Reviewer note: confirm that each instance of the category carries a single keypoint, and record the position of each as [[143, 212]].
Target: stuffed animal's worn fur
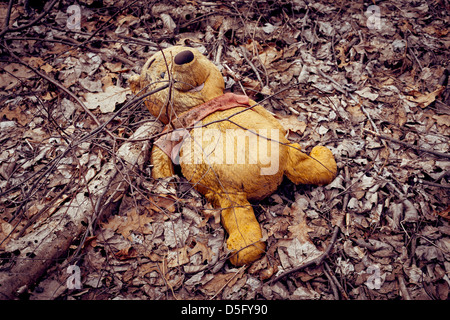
[[229, 147]]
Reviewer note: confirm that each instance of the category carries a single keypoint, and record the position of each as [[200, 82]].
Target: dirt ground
[[82, 219]]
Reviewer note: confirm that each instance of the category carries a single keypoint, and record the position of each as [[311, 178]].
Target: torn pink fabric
[[171, 142]]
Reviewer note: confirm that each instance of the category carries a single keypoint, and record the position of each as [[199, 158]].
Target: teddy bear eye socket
[[162, 75]]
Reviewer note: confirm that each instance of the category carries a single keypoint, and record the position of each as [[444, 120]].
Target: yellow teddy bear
[[229, 147]]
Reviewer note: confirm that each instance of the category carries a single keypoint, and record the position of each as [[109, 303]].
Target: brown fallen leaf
[[300, 231], [341, 56], [221, 280], [291, 123], [127, 253], [114, 67], [177, 257], [147, 268], [18, 113], [209, 212], [14, 73], [300, 228], [445, 213], [161, 202], [106, 100], [269, 55], [424, 100], [6, 231], [132, 222], [205, 251]]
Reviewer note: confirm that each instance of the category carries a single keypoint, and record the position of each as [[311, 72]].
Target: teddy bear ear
[[183, 57]]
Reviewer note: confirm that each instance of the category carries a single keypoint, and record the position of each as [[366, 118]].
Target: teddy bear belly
[[234, 160], [227, 180]]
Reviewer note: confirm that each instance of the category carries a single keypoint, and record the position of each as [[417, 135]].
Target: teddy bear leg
[[244, 231], [319, 168], [162, 164]]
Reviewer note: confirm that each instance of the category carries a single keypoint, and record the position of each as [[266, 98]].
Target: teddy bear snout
[[184, 57]]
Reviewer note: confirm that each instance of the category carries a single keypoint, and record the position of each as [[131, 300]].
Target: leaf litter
[[377, 95]]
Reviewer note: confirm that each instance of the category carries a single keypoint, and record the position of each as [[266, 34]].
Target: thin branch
[[235, 274], [313, 262], [384, 137], [8, 15], [103, 26], [27, 25], [244, 54], [54, 82]]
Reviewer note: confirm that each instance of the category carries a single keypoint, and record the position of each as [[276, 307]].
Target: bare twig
[[336, 281], [226, 25], [103, 26], [56, 83], [244, 54], [402, 287], [313, 262], [331, 279], [27, 25], [8, 16], [384, 137], [235, 274]]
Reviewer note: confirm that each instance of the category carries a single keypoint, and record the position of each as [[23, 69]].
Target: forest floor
[[368, 80]]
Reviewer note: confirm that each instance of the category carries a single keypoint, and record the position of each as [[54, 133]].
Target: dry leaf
[[91, 86], [168, 22], [205, 251], [221, 280], [210, 212], [445, 213], [13, 74], [106, 100], [175, 233], [18, 113], [48, 96], [356, 113], [6, 230], [132, 222], [35, 62], [163, 202], [147, 268], [300, 231], [366, 92], [114, 67], [424, 100], [177, 257], [127, 253], [301, 252], [291, 123], [300, 228], [269, 55]]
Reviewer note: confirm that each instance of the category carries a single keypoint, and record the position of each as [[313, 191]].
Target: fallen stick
[[317, 261], [27, 25], [32, 254], [384, 137]]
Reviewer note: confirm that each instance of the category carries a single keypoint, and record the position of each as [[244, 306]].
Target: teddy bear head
[[192, 78]]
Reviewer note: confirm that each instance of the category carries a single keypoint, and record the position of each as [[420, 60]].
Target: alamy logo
[[74, 280], [232, 146], [376, 279], [373, 14], [74, 21]]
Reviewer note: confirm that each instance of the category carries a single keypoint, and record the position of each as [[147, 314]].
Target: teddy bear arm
[[319, 168], [162, 164]]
